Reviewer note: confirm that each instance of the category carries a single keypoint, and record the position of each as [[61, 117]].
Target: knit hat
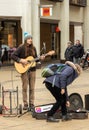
[[27, 36], [76, 67]]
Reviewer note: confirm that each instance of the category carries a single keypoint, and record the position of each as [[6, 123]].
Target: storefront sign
[[46, 10]]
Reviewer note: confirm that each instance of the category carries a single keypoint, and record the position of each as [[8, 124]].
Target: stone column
[[26, 21], [86, 26], [64, 26], [36, 24]]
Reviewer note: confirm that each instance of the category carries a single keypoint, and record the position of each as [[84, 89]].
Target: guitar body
[[22, 69], [31, 63]]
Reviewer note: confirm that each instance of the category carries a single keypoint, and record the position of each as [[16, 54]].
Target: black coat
[[69, 54], [78, 51]]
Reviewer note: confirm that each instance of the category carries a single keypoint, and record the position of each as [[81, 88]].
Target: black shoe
[[25, 107], [52, 119], [32, 107], [66, 118]]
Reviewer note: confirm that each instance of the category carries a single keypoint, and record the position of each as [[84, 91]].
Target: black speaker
[[76, 102], [2, 24], [87, 102], [56, 0]]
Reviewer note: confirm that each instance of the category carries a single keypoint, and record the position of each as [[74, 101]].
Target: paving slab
[[10, 79]]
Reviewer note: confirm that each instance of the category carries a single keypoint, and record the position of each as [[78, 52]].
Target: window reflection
[[7, 40]]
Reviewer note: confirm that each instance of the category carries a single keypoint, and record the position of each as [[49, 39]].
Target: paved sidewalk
[[9, 78]]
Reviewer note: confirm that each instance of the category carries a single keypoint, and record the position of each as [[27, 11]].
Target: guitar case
[[75, 111]]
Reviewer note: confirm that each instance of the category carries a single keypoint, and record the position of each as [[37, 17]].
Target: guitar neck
[[34, 60], [38, 58]]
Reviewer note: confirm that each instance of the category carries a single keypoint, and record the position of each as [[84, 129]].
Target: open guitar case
[[75, 110]]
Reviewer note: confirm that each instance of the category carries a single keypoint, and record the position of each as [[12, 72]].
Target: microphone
[[44, 47]]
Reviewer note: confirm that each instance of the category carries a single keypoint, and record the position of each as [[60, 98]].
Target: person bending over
[[57, 85]]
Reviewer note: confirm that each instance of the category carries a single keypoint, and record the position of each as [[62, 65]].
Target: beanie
[[27, 36]]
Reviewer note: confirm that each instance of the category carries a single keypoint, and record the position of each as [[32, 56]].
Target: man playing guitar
[[25, 57], [28, 76]]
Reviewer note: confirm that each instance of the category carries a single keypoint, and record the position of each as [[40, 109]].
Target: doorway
[[51, 38]]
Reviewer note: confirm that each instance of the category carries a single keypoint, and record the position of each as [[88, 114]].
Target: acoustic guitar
[[31, 63]]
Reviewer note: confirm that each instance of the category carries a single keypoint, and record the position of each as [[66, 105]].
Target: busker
[[28, 77], [57, 85]]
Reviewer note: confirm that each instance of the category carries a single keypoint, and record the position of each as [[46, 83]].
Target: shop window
[[8, 33], [81, 3], [8, 39]]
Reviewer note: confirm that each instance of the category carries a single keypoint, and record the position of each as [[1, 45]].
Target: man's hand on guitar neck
[[42, 57], [50, 53]]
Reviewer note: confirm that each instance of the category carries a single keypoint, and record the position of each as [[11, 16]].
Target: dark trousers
[[60, 100]]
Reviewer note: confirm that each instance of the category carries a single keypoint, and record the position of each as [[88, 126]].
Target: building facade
[[69, 21]]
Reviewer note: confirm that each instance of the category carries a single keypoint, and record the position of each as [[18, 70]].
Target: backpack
[[52, 69]]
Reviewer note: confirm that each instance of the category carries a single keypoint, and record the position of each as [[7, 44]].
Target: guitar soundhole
[[29, 61]]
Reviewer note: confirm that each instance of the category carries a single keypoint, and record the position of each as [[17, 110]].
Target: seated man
[[57, 85]]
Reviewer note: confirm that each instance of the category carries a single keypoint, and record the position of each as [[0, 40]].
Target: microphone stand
[[42, 50]]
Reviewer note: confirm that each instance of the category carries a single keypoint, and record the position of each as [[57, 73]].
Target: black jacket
[[78, 51], [69, 54], [20, 53]]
